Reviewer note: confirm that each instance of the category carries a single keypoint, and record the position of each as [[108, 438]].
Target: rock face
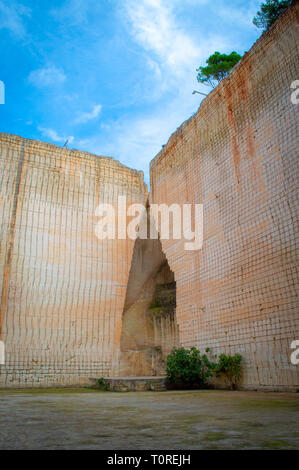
[[62, 289], [238, 156], [149, 327], [74, 307]]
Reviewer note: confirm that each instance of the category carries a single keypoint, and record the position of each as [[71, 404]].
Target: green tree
[[219, 66], [269, 12]]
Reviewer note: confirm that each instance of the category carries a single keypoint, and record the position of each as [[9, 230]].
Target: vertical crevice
[[149, 327]]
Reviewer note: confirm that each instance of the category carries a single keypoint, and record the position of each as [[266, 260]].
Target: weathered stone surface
[[238, 156], [62, 290]]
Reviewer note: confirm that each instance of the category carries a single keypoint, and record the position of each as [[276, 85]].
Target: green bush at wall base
[[189, 369]]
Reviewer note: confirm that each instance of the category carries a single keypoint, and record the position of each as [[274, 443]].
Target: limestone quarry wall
[[238, 156], [62, 290]]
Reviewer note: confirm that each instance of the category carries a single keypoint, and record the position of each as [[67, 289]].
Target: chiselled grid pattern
[[65, 291], [238, 156]]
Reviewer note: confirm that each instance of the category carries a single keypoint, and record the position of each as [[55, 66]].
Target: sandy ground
[[89, 419]]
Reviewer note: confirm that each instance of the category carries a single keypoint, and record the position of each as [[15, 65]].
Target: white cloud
[[93, 114], [171, 53], [47, 76], [12, 17], [54, 136], [154, 27], [172, 56], [154, 66]]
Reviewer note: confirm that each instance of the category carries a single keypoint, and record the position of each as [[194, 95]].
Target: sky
[[113, 77]]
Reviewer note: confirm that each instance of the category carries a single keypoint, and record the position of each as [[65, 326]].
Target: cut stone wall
[[238, 156], [62, 290]]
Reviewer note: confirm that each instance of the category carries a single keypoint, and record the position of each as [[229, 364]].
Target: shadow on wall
[[149, 327]]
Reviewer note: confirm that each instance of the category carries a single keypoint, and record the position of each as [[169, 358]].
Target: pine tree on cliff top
[[269, 12], [218, 67]]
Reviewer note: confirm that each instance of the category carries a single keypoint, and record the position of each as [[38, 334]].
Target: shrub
[[188, 368], [230, 367]]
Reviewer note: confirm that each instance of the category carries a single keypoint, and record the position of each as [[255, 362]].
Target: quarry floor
[[91, 419]]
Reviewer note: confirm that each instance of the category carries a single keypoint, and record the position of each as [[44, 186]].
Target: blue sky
[[115, 77]]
